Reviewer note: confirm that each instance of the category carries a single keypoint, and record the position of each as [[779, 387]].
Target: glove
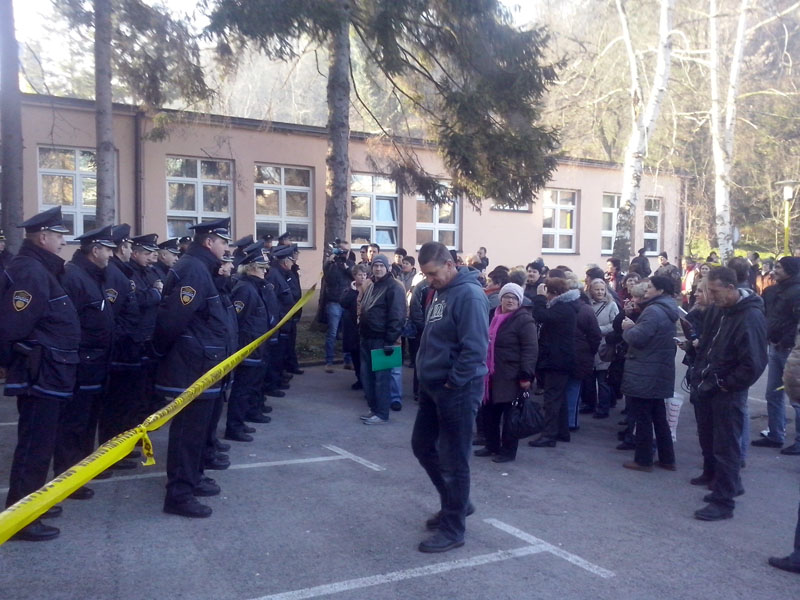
[[388, 350]]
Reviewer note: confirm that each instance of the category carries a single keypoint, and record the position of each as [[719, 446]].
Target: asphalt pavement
[[320, 505]]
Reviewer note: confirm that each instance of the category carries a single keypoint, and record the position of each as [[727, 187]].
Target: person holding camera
[[336, 281]]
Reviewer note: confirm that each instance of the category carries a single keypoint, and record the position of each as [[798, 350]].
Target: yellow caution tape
[[29, 508]]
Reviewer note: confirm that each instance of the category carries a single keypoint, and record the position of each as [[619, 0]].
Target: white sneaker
[[375, 420], [329, 368], [369, 415]]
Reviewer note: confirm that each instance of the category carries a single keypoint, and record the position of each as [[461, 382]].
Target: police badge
[[187, 294], [111, 295], [239, 306], [21, 300]]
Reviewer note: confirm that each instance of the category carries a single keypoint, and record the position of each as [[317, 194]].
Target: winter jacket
[[252, 316], [39, 319], [604, 312], [279, 278], [782, 304], [515, 352], [642, 264], [161, 270], [587, 339], [147, 299], [737, 351], [84, 282], [350, 338], [650, 360], [192, 326], [336, 281], [383, 311], [791, 373], [558, 319], [120, 292], [455, 338]]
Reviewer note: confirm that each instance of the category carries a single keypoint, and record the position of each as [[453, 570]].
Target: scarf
[[494, 327]]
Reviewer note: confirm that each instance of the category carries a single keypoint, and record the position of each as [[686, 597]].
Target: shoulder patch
[[21, 300], [111, 295], [187, 294], [239, 306]]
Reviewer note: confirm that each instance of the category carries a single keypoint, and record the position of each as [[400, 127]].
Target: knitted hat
[[513, 289], [381, 258], [791, 265]]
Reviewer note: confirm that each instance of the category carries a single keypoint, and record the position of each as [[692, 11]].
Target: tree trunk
[[338, 158], [642, 124], [11, 126], [104, 124], [722, 133]]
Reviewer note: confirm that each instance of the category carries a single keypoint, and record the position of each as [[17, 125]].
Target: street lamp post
[[788, 193]]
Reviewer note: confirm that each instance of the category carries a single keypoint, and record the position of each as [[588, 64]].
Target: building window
[[609, 222], [197, 190], [373, 211], [284, 202], [524, 207], [558, 221], [437, 223], [68, 178], [652, 225]]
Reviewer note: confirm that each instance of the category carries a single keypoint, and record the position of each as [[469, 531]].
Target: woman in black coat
[[351, 341], [511, 359]]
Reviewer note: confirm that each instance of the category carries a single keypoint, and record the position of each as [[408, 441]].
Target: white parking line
[[575, 560], [340, 455], [536, 546], [12, 423]]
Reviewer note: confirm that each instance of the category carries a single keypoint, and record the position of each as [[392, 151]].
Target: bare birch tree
[[644, 116]]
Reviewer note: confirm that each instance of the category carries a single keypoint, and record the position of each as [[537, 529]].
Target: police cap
[[282, 252], [243, 242], [218, 227], [102, 236], [49, 220], [148, 241], [170, 245], [254, 256], [121, 233]]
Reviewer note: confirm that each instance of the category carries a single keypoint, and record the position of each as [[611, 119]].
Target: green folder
[[381, 362]]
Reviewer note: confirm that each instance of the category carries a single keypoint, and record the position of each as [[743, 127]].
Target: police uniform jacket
[[225, 287], [38, 317], [192, 324], [84, 283], [279, 278], [161, 270], [147, 299], [126, 352], [252, 315]]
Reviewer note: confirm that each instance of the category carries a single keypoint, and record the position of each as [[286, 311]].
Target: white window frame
[[373, 223], [553, 201], [281, 219], [437, 227], [525, 207], [657, 234], [79, 177], [614, 212], [198, 214]]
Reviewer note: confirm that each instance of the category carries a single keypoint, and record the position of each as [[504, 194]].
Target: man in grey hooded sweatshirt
[[451, 365]]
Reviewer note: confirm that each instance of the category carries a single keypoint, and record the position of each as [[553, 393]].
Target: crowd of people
[[584, 342], [93, 345]]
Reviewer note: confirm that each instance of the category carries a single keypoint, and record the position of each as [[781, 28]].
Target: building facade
[[270, 178]]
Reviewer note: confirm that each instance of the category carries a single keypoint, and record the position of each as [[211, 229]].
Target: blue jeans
[[334, 311], [776, 410], [573, 393], [377, 384], [796, 407], [396, 386], [442, 443]]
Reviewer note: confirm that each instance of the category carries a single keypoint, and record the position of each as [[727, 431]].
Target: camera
[[335, 250]]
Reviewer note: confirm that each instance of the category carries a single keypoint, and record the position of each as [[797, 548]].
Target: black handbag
[[525, 417]]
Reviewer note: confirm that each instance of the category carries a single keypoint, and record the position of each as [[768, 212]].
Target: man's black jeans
[[728, 410], [442, 442]]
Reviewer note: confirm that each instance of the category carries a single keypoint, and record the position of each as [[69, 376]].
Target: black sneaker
[[396, 406], [713, 512], [433, 522], [439, 543], [766, 443]]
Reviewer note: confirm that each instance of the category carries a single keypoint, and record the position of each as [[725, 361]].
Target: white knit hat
[[513, 289]]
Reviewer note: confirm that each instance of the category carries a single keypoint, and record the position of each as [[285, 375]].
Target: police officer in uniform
[[192, 336], [168, 254], [126, 353], [84, 282], [40, 323], [279, 275]]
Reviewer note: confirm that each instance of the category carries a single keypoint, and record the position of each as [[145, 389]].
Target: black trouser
[[188, 436], [413, 348], [77, 425], [123, 404], [705, 432], [727, 413], [649, 414], [554, 402], [356, 356], [36, 438], [274, 363], [495, 422], [210, 450], [290, 358], [245, 398]]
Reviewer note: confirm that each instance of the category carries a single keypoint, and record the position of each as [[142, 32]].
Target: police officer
[[126, 353], [279, 276], [168, 254], [192, 336], [147, 289], [84, 282], [241, 245], [40, 323], [245, 400]]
